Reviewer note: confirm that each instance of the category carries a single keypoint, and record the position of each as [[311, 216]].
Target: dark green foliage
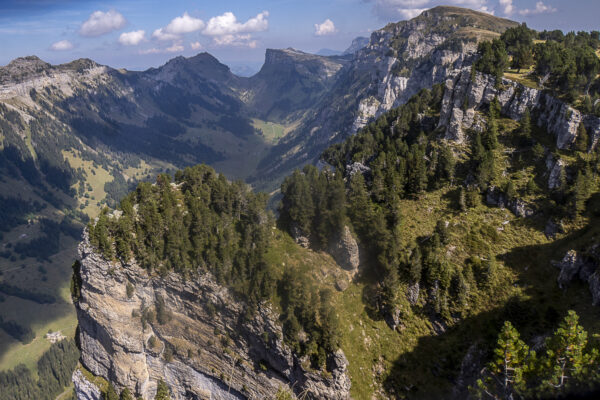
[[314, 204], [310, 310], [162, 391], [126, 395], [24, 334], [567, 365], [110, 393], [13, 211], [40, 298], [493, 59], [76, 281], [55, 368]]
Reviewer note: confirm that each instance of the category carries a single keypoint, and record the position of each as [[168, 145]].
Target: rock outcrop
[[204, 346], [84, 389], [585, 267], [466, 94], [496, 197], [344, 250]]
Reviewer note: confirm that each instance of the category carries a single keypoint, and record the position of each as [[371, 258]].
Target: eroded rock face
[[84, 389], [466, 93], [575, 264], [206, 349], [344, 250], [496, 197]]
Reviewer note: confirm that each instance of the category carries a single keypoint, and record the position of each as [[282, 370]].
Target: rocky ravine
[[206, 350]]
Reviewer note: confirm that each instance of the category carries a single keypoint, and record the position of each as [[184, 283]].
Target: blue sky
[[138, 34]]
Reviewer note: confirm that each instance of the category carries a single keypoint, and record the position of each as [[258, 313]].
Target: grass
[[523, 77], [59, 316], [271, 131], [96, 177]]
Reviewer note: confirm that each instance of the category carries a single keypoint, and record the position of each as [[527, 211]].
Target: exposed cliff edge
[[207, 349], [466, 93]]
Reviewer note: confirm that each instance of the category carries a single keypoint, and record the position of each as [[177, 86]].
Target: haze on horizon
[[138, 34]]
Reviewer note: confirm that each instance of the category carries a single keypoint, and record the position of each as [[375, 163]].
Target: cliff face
[[204, 348], [398, 61], [464, 95]]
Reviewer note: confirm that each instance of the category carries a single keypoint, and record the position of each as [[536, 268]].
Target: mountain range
[[388, 267]]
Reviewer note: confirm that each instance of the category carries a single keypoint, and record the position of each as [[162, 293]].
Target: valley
[[457, 188]]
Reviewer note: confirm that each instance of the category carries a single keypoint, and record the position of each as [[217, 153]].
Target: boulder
[[344, 249]]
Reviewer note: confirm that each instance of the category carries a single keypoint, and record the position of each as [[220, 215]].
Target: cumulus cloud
[[407, 9], [508, 6], [174, 48], [132, 38], [540, 8], [196, 45], [325, 28], [179, 26], [61, 46], [236, 40], [227, 24], [226, 30], [100, 23]]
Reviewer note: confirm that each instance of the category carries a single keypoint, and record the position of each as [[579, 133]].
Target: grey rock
[[412, 293], [559, 119], [556, 171], [496, 197], [344, 249], [553, 228], [84, 389], [569, 267], [357, 167], [114, 343]]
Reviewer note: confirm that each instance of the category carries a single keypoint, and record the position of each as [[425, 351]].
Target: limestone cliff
[[466, 94], [205, 346]]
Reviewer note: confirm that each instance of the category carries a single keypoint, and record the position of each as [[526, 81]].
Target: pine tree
[[111, 393], [504, 378], [525, 125], [126, 395], [566, 362], [162, 391], [582, 140]]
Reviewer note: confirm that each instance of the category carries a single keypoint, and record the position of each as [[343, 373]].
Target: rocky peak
[[356, 45], [23, 68]]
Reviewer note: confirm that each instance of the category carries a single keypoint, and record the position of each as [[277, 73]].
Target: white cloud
[[508, 6], [175, 48], [132, 38], [100, 23], [179, 26], [61, 46], [540, 8], [325, 28], [227, 24], [226, 30], [196, 45]]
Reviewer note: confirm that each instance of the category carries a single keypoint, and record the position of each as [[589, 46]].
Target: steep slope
[[290, 83], [195, 292], [400, 60], [455, 238]]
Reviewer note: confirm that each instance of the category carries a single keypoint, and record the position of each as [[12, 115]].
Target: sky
[[139, 34]]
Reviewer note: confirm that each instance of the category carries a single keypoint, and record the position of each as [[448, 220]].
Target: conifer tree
[[505, 374], [111, 393], [126, 395], [525, 125], [566, 362], [582, 141], [162, 391]]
